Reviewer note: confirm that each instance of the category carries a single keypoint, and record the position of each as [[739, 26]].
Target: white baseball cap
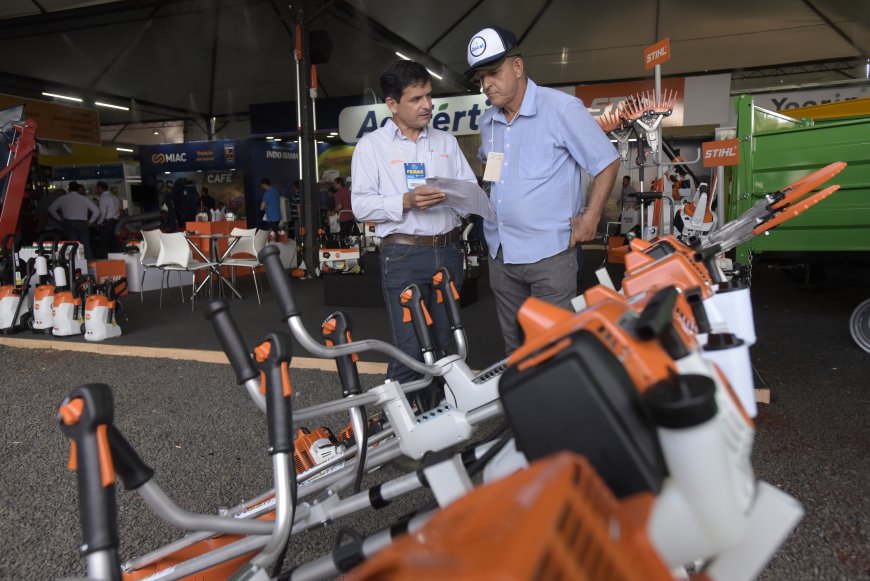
[[487, 48]]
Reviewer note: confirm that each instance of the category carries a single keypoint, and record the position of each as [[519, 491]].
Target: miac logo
[[160, 158]]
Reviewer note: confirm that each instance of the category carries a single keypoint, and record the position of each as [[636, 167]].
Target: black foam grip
[[450, 302], [658, 314], [97, 508], [657, 322], [347, 370], [131, 469], [218, 312], [418, 317], [270, 257], [707, 255], [279, 411], [696, 302]]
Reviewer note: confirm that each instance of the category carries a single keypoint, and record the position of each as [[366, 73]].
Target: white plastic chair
[[245, 253], [175, 256], [148, 252]]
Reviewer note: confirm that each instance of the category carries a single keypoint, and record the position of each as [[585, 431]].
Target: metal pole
[[660, 172], [313, 92], [308, 155], [297, 57]]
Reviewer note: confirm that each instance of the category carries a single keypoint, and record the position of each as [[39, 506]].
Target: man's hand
[[583, 229], [423, 198]]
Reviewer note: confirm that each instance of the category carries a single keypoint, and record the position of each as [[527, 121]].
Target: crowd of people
[[76, 215]]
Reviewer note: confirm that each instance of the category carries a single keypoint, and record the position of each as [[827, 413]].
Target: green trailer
[[776, 150]]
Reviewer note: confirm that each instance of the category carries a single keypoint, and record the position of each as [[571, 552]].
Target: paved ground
[[207, 442]]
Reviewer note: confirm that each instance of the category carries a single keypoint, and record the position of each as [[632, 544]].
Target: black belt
[[438, 240]]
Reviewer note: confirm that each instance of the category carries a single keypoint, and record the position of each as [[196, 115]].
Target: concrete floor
[[207, 442]]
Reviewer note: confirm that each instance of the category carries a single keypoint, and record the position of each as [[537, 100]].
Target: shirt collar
[[397, 133], [529, 105]]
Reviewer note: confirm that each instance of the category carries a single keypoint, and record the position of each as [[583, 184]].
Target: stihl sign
[[657, 53], [722, 152]]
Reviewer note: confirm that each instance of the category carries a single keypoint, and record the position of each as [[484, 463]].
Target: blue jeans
[[402, 265]]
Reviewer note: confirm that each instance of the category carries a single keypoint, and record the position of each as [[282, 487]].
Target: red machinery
[[21, 151]]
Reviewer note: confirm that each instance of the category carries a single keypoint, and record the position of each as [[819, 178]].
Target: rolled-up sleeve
[[369, 205], [584, 138]]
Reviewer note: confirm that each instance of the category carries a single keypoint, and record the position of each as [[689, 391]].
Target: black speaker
[[319, 47]]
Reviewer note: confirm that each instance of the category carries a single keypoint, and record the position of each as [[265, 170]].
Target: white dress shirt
[[74, 206], [379, 180], [110, 206]]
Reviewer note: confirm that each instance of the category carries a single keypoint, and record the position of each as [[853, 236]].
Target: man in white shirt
[[110, 213], [389, 168], [77, 213]]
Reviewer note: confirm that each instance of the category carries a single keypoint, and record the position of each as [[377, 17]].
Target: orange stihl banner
[[722, 152], [657, 53]]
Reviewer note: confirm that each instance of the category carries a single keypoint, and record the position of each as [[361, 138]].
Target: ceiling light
[[333, 133], [437, 76], [110, 106], [56, 96], [270, 138], [277, 139], [398, 54], [156, 132], [167, 172], [124, 149]]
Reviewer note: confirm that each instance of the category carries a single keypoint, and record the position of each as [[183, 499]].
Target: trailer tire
[[859, 325]]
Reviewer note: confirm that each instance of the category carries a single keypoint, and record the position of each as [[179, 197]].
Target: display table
[[209, 228]]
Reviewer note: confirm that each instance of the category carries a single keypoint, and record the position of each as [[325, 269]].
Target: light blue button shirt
[[545, 146], [380, 181]]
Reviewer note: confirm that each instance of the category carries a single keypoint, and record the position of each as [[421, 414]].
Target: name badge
[[494, 161], [415, 175]]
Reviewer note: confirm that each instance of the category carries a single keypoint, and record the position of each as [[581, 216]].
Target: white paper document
[[464, 196]]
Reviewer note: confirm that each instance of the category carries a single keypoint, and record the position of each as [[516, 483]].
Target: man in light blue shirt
[[536, 143]]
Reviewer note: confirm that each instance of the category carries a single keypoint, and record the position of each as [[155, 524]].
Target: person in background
[[77, 213], [627, 187], [420, 235], [270, 206], [343, 207], [205, 200], [327, 202], [537, 142], [178, 204], [44, 220], [110, 213]]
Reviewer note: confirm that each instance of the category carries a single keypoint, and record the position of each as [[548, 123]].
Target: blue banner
[[196, 155]]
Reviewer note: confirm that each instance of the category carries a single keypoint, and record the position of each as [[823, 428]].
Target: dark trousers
[[402, 265], [107, 234], [80, 230]]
